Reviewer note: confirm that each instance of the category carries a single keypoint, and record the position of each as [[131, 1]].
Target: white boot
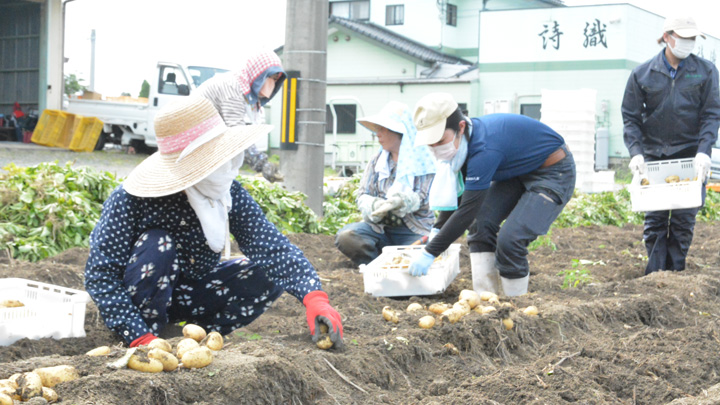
[[484, 273], [513, 287]]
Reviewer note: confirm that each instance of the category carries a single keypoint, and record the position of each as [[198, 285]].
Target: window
[[346, 116], [451, 15], [531, 110], [463, 108], [395, 14], [172, 81], [354, 9]]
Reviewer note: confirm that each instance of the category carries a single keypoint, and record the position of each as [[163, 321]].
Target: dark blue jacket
[[665, 116]]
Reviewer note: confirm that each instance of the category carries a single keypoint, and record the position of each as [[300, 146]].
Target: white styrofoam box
[[570, 119], [383, 279], [569, 100], [659, 195], [48, 311]]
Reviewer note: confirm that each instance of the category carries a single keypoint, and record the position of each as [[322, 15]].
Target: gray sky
[[133, 35]]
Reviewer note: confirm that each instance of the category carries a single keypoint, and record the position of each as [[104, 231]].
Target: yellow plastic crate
[[62, 138], [50, 123], [86, 134]]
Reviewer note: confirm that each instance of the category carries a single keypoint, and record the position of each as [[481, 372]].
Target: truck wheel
[[141, 147], [100, 145]]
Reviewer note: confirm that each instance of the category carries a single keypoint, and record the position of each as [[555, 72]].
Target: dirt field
[[624, 339]]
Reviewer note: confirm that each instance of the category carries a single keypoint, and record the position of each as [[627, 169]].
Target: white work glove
[[367, 204], [386, 206], [702, 166], [637, 165]]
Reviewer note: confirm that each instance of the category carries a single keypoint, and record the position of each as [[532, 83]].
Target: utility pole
[[92, 60], [305, 56]]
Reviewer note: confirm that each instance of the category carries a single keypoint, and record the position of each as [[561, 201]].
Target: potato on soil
[[426, 322], [169, 362], [52, 376], [198, 357], [8, 383], [10, 392], [494, 301], [508, 323], [14, 377], [161, 344], [186, 345], [99, 351], [30, 385], [452, 315], [140, 362], [439, 308], [324, 342], [531, 310], [5, 400], [462, 306], [485, 310], [214, 341], [487, 295], [49, 394], [414, 307], [471, 297], [194, 332], [390, 315]]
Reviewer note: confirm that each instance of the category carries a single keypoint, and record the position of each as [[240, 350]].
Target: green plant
[[578, 275], [72, 84], [144, 89], [543, 240], [251, 336]]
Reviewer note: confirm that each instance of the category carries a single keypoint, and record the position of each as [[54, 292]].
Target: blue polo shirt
[[504, 146]]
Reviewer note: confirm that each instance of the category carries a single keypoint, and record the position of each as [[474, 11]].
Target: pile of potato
[[36, 383], [468, 301], [194, 351]]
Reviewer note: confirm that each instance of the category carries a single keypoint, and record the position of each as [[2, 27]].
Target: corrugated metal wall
[[19, 54]]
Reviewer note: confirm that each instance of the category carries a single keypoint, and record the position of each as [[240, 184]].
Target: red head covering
[[17, 112]]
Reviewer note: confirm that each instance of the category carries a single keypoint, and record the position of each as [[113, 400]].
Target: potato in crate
[[669, 185], [31, 309], [388, 275]]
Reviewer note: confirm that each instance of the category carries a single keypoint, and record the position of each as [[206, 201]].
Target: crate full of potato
[[668, 185], [31, 309], [389, 276]]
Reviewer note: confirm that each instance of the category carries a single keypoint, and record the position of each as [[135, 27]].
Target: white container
[[384, 279], [48, 311], [659, 195]]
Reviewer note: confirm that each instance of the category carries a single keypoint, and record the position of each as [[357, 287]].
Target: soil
[[624, 338]]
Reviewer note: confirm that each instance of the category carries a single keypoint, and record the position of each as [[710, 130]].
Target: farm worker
[[240, 95], [506, 167], [671, 110], [393, 192], [155, 253]]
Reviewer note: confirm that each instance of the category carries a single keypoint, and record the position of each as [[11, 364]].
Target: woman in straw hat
[[239, 97], [155, 253], [393, 192]]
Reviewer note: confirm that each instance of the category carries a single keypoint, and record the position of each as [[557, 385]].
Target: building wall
[[51, 55], [352, 57], [20, 37]]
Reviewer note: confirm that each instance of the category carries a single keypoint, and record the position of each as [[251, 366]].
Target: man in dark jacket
[[671, 110]]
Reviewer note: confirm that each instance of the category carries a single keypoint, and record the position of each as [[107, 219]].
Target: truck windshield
[[202, 73]]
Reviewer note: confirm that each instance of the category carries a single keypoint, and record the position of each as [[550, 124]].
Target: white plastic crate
[[48, 311], [659, 195], [383, 279]]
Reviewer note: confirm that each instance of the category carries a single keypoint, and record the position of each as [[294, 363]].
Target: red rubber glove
[[318, 310], [143, 340]]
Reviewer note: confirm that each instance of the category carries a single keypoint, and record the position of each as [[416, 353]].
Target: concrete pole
[[305, 51], [92, 60]]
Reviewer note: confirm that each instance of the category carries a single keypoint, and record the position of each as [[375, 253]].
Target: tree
[[72, 84], [145, 89], [125, 93]]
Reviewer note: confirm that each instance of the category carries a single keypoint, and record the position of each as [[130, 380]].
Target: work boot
[[513, 287], [484, 273]]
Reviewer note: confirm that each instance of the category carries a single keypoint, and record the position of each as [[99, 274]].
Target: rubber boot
[[513, 287], [484, 274]]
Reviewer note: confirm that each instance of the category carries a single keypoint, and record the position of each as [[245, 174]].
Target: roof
[[397, 42]]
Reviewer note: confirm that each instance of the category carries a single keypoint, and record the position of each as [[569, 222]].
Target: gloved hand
[[143, 340], [433, 232], [702, 166], [421, 264], [386, 206], [271, 172], [318, 309], [637, 165]]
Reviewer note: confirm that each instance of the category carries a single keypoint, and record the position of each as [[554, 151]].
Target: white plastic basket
[[384, 279], [659, 195], [48, 311]]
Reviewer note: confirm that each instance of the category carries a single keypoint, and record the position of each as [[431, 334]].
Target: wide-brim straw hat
[[389, 117], [193, 142]]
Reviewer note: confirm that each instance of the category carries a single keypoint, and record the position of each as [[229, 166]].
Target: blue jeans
[[528, 204], [362, 245]]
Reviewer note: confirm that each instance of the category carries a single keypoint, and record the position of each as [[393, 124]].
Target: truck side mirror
[[183, 90]]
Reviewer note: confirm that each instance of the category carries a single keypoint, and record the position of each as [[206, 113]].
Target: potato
[[507, 305], [30, 385], [214, 340], [8, 383], [672, 179], [494, 300], [140, 362], [10, 392], [471, 297], [644, 181], [390, 315], [451, 349], [169, 362], [531, 310], [161, 344], [198, 357], [14, 377], [488, 309], [52, 376], [194, 332], [5, 400], [451, 315], [324, 342], [414, 307], [462, 306], [184, 346], [99, 351], [49, 394], [508, 323], [439, 308], [426, 322], [487, 295], [11, 304]]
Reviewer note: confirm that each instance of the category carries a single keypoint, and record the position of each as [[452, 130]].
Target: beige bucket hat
[[431, 114], [193, 142], [389, 117]]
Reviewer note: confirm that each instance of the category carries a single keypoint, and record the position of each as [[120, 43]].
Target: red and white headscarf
[[256, 70]]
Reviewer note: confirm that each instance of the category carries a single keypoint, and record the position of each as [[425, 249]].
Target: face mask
[[445, 151], [683, 47]]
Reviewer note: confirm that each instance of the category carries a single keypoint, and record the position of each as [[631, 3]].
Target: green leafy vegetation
[[73, 85], [578, 275]]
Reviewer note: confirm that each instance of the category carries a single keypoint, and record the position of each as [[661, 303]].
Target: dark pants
[[362, 244], [228, 297], [668, 234], [528, 204]]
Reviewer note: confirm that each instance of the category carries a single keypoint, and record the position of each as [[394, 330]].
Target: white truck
[[131, 124]]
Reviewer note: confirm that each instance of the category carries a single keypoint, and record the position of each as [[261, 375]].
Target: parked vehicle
[[131, 123]]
